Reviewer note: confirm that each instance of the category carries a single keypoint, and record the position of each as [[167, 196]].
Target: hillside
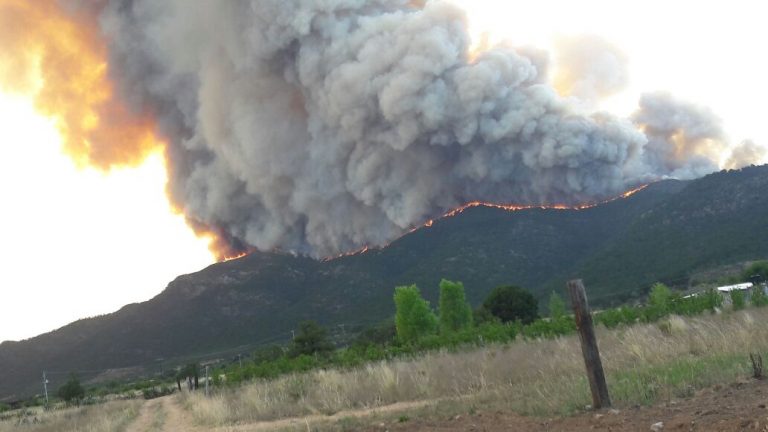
[[661, 233]]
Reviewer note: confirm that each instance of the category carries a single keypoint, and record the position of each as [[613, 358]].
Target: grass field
[[644, 364], [108, 417]]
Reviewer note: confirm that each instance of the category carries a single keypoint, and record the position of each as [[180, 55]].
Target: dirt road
[[737, 407], [162, 415]]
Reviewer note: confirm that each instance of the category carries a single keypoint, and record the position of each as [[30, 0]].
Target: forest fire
[[262, 156], [507, 207]]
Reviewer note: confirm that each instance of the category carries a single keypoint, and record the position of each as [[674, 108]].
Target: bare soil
[[738, 407]]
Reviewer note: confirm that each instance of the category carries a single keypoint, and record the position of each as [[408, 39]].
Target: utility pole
[[45, 388], [206, 381]]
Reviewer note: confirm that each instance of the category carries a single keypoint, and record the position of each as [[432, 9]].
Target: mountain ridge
[[262, 296]]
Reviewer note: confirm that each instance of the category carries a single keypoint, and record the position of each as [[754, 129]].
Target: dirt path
[[292, 423], [162, 415]]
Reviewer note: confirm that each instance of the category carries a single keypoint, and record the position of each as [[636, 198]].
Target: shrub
[[311, 338], [737, 299], [413, 316], [550, 328], [455, 312], [758, 299], [659, 302], [556, 306], [756, 272], [512, 303], [71, 391], [623, 315]]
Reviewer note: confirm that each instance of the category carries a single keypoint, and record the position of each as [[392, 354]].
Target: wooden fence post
[[600, 397]]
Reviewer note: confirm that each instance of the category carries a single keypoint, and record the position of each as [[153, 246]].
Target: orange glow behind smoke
[[61, 58]]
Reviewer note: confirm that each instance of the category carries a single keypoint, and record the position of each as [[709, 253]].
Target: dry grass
[[109, 417], [643, 363]]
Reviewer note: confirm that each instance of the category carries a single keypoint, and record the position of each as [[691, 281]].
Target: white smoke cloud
[[319, 126], [590, 68], [685, 141]]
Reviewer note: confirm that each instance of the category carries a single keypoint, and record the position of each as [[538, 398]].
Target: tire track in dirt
[[174, 418], [280, 424]]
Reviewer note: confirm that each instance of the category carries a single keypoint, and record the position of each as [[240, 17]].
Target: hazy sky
[[78, 242]]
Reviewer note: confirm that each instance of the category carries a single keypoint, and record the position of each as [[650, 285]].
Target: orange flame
[[61, 58], [507, 207]]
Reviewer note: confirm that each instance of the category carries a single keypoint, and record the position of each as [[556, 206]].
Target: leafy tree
[[512, 303], [311, 338], [71, 391], [413, 316], [556, 306], [455, 312], [737, 299]]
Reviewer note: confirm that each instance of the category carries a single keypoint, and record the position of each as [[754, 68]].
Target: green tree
[[311, 338], [659, 302], [556, 306], [512, 303], [413, 316], [455, 312], [71, 391]]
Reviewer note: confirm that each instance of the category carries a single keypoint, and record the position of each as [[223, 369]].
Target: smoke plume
[[320, 126], [590, 68]]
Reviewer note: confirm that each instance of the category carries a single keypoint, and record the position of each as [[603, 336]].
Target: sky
[[78, 242]]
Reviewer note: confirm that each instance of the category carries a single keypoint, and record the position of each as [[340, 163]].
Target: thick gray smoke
[[319, 126]]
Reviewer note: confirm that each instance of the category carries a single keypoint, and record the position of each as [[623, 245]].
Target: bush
[[550, 328], [758, 299], [737, 299], [512, 303], [756, 272], [623, 315], [71, 391], [556, 306], [455, 312], [659, 302], [413, 316], [310, 339]]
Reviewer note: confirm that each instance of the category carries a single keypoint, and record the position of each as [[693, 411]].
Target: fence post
[[600, 397], [207, 392]]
